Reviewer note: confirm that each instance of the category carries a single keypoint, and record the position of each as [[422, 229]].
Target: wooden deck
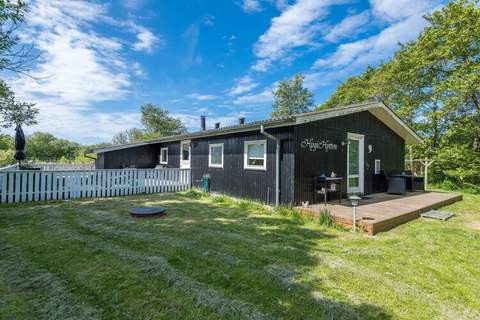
[[381, 211]]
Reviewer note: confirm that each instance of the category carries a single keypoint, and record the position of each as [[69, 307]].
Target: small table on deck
[[327, 182]]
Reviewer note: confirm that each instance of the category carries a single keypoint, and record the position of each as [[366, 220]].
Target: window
[[377, 166], [185, 150], [255, 155], [163, 155], [215, 155]]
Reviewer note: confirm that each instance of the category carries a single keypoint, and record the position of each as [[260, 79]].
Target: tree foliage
[[292, 97], [14, 113], [433, 83], [13, 56], [46, 147], [156, 122]]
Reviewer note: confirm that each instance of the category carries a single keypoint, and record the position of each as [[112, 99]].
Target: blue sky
[[100, 61]]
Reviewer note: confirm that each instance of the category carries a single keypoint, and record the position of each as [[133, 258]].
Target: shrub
[[324, 218]]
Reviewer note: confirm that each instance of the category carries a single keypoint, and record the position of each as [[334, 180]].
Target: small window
[[163, 155], [255, 155], [377, 166], [215, 155]]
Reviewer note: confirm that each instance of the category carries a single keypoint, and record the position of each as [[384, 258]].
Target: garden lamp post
[[354, 200]]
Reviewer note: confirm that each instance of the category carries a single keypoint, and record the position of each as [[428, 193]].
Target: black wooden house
[[356, 142]]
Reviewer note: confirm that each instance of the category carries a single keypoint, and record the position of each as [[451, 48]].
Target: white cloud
[[202, 97], [134, 4], [190, 37], [78, 125], [353, 57], [295, 27], [77, 68], [251, 6], [263, 97], [76, 65], [243, 85], [393, 10], [146, 40], [138, 70], [348, 27]]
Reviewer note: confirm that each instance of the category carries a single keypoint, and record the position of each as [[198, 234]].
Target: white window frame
[[361, 164], [185, 164], [166, 157], [378, 166], [210, 164], [245, 155]]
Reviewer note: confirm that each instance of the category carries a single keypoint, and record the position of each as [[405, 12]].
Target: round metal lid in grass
[[144, 212]]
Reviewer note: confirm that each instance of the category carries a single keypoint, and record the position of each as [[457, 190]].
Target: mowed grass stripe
[[279, 273], [122, 289], [278, 266]]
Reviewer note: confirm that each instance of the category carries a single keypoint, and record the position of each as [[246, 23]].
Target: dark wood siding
[[138, 157], [173, 154], [233, 178], [387, 146]]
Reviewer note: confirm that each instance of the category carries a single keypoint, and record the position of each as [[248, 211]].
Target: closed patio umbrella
[[19, 145]]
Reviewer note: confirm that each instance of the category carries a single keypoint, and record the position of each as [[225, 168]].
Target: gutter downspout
[[277, 163]]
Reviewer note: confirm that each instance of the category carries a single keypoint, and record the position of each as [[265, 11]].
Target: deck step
[[435, 214]]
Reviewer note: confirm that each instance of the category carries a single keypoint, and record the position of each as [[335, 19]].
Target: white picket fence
[[27, 185]]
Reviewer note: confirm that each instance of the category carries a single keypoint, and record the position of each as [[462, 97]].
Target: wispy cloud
[[348, 27], [263, 97], [394, 10], [296, 27], [251, 5], [353, 57], [190, 38], [243, 85], [146, 40], [202, 97], [77, 68]]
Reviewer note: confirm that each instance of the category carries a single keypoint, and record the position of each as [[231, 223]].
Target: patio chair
[[396, 185]]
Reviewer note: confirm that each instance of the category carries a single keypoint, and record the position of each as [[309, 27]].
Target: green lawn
[[214, 258]]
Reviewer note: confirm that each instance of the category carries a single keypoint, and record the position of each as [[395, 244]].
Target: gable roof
[[379, 109]]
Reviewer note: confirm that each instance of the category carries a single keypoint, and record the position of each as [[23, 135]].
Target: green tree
[[157, 121], [433, 83], [45, 147], [6, 150], [13, 57], [291, 97], [14, 113], [129, 136]]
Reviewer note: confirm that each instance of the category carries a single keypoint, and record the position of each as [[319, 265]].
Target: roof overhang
[[378, 109], [201, 134]]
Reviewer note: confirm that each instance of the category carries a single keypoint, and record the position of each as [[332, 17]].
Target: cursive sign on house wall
[[322, 145]]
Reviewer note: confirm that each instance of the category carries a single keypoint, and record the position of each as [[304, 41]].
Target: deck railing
[[27, 185]]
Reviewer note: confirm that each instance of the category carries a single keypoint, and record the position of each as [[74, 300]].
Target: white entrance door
[[355, 163]]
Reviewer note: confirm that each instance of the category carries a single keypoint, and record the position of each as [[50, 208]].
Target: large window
[[163, 155], [215, 155], [255, 155]]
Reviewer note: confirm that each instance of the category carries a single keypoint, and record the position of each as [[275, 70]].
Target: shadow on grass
[[274, 251]]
